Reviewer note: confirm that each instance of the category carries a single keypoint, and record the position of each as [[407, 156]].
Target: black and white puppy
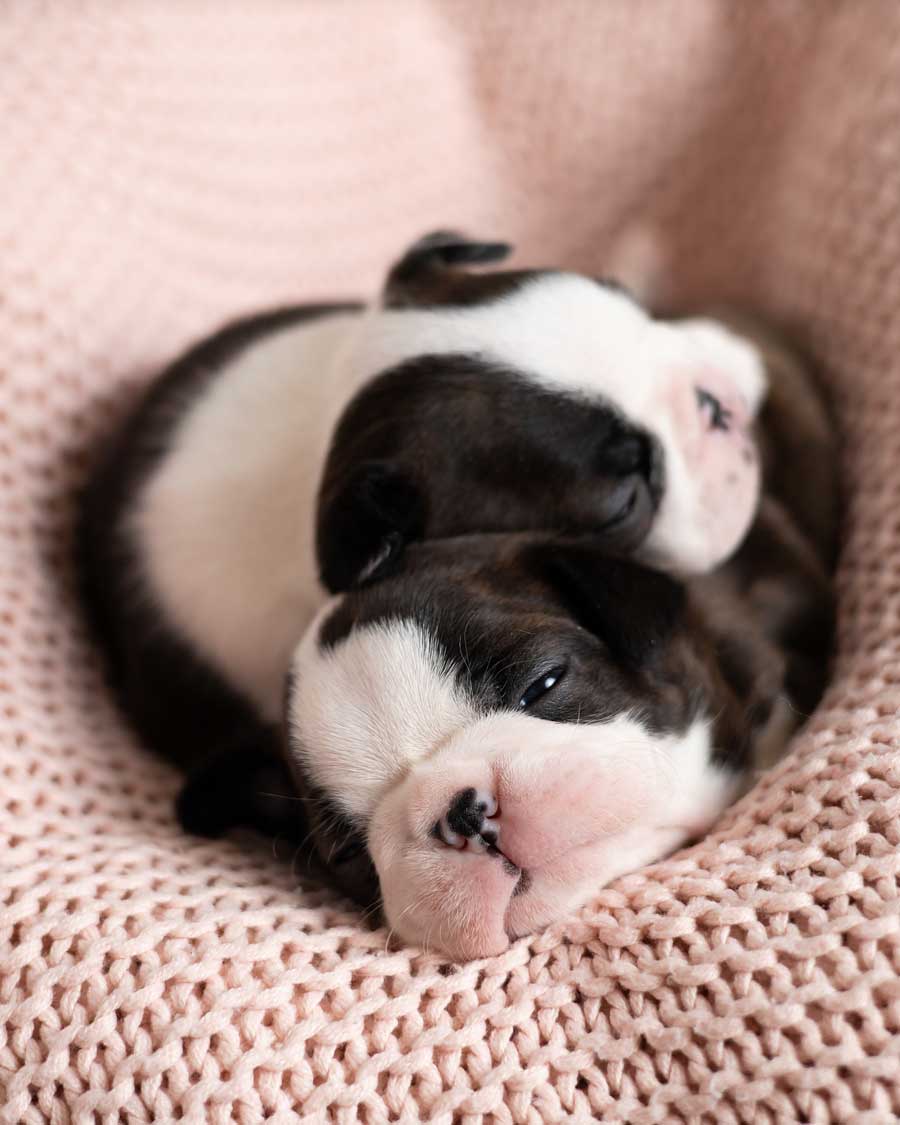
[[314, 443], [504, 723]]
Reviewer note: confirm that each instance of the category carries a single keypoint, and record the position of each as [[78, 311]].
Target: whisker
[[287, 797], [343, 843], [370, 911]]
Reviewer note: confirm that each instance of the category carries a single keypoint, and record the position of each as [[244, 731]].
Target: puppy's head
[[500, 727], [536, 399]]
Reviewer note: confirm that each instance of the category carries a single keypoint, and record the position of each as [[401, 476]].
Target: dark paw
[[204, 806], [241, 788]]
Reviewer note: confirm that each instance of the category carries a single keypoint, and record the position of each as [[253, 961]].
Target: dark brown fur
[[449, 445]]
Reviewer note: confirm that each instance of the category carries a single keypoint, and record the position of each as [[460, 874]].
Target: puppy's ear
[[632, 609], [365, 523], [441, 250]]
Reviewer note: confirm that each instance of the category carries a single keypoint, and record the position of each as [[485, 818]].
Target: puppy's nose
[[470, 820], [624, 453]]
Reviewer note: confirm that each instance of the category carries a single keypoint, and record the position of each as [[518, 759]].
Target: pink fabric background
[[167, 165]]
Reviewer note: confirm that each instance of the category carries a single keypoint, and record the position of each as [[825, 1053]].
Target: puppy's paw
[[239, 788]]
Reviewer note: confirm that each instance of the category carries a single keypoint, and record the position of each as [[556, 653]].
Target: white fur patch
[[362, 714], [562, 330], [226, 525]]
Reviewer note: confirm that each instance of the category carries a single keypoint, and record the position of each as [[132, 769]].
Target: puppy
[[301, 451], [536, 399], [505, 723]]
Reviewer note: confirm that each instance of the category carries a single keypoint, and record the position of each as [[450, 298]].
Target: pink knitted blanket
[[167, 165]]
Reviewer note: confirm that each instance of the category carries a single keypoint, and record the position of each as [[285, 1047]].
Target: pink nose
[[471, 821]]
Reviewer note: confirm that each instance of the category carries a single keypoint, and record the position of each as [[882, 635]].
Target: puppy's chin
[[576, 806]]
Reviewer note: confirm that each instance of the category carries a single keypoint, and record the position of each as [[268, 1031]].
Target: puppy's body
[[287, 442], [174, 693]]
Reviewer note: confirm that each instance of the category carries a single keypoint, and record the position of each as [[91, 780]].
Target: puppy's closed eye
[[545, 683], [719, 417]]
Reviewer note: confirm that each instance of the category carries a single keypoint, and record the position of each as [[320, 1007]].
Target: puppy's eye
[[540, 687], [719, 417]]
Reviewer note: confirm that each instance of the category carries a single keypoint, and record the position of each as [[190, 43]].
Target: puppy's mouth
[[521, 876]]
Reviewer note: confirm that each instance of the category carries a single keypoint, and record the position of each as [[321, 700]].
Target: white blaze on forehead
[[561, 330], [379, 722], [363, 713]]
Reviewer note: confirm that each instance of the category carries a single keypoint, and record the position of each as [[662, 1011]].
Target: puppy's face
[[502, 726], [536, 400]]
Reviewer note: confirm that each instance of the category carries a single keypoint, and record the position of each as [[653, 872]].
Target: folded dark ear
[[441, 250], [632, 609], [365, 523]]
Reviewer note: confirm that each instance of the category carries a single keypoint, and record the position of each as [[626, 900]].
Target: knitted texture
[[166, 166]]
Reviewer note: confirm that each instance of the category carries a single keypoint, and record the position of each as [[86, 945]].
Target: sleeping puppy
[[539, 399], [504, 723], [301, 451]]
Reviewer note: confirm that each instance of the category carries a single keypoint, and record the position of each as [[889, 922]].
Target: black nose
[[466, 813], [626, 453], [468, 821]]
